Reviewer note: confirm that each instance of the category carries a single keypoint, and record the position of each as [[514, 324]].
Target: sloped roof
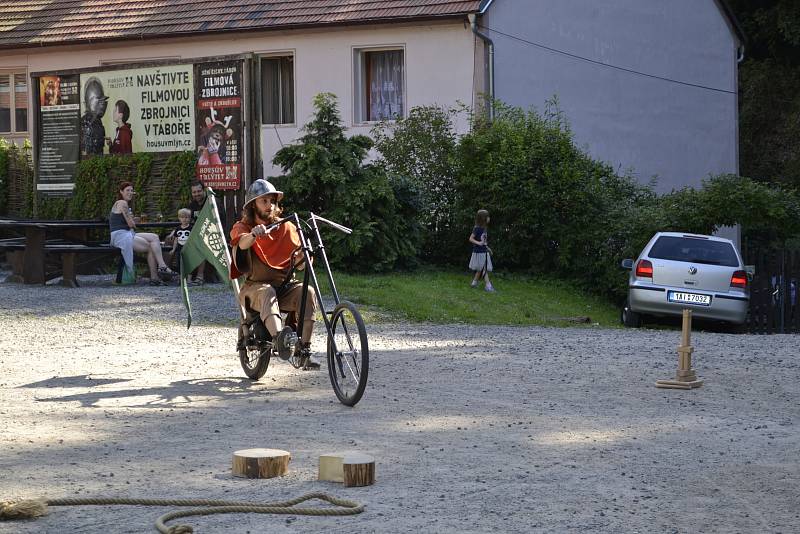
[[28, 23]]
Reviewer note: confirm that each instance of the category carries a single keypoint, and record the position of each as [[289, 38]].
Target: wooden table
[[74, 240]]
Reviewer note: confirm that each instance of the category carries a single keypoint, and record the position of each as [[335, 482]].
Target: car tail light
[[739, 279], [645, 268]]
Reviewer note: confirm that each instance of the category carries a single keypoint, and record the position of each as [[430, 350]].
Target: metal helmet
[[260, 188], [94, 98]]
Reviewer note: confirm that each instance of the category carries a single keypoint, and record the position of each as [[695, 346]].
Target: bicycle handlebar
[[338, 226], [296, 219]]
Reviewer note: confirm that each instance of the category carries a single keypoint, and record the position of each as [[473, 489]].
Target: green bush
[[423, 147], [549, 202], [554, 210], [325, 174]]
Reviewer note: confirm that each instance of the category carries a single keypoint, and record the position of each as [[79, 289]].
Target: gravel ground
[[103, 392]]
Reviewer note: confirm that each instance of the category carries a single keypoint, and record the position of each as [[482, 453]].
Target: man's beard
[[265, 216]]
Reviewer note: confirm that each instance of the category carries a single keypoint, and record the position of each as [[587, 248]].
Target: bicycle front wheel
[[348, 353]]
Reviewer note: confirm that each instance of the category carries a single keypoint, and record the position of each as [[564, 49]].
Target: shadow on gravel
[[175, 394], [79, 381]]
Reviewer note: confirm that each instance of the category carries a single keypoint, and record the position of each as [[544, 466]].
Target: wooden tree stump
[[260, 463], [351, 468]]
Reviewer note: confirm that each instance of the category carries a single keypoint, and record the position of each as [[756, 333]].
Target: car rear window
[[694, 250]]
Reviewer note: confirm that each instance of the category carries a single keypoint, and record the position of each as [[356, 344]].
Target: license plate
[[689, 298]]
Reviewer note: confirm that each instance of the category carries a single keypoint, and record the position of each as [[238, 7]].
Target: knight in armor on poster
[[93, 133]]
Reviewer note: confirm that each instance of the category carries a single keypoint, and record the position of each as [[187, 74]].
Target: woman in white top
[[124, 236]]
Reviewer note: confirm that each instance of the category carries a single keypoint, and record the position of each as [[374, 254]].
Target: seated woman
[[125, 237]]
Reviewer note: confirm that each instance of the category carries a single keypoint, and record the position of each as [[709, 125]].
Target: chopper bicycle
[[347, 347]]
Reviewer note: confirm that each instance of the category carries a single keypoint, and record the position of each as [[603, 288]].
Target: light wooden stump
[[260, 463], [351, 468]]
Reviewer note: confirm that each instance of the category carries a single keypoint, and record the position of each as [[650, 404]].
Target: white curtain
[[385, 84]]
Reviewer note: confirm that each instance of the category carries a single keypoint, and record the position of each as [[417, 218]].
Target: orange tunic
[[275, 249]]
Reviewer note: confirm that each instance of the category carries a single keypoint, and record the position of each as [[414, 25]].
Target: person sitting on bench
[[123, 236]]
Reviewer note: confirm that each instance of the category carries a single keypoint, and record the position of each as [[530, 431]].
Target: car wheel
[[629, 317]]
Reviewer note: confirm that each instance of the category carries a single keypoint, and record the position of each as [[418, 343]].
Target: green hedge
[[97, 180], [555, 210], [326, 174]]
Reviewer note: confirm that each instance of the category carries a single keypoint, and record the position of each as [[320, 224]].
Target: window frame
[[12, 74], [359, 80], [277, 55]]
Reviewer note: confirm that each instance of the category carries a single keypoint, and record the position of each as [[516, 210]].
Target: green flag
[[206, 243]]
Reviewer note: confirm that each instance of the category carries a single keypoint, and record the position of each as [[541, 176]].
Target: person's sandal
[[165, 273], [157, 282]]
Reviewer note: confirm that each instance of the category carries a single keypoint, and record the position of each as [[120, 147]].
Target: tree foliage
[[553, 209], [423, 147], [557, 211], [325, 173], [769, 100]]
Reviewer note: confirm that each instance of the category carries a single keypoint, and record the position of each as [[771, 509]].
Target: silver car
[[676, 271]]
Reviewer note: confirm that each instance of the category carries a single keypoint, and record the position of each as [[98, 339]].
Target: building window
[[380, 85], [13, 103], [277, 90]]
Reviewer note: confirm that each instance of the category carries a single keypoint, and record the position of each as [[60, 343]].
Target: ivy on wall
[[16, 179], [175, 192], [98, 178]]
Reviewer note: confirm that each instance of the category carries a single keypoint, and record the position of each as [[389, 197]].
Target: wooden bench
[[28, 254], [68, 253]]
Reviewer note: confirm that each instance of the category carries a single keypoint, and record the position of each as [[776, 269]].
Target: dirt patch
[[103, 392]]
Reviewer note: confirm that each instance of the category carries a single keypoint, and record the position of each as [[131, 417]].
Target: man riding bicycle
[[269, 259]]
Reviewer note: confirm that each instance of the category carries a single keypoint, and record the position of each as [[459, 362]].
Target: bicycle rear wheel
[[348, 353], [253, 356]]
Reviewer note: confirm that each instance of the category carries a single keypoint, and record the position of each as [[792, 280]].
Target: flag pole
[[234, 282]]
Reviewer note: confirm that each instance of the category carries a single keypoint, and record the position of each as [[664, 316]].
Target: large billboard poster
[[59, 115], [219, 124], [137, 110]]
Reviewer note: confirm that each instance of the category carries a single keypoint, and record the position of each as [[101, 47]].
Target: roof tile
[[32, 23]]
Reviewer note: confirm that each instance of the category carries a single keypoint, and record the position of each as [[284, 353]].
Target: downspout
[[490, 67]]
